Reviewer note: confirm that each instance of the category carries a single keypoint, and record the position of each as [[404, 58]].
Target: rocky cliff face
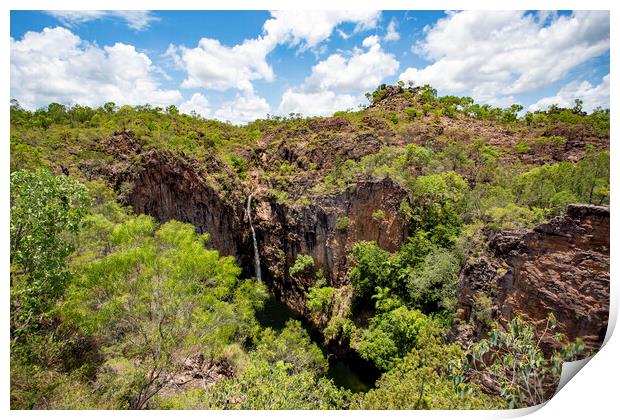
[[326, 230], [560, 267], [169, 187]]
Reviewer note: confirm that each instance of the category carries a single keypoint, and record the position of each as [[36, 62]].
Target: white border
[[593, 394]]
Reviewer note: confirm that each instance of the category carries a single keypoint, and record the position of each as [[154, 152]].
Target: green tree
[[391, 335], [432, 284], [423, 381], [46, 210], [293, 347], [513, 360], [369, 271], [156, 298]]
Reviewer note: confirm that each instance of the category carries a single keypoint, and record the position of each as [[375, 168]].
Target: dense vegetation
[[111, 310]]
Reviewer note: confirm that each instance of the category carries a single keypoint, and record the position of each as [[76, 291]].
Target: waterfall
[[256, 257]]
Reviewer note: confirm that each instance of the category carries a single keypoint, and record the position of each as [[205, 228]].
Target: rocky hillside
[[417, 210], [316, 183]]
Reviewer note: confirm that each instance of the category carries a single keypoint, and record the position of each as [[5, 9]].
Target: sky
[[238, 66]]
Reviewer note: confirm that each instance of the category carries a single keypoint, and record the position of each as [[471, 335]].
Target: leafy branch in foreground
[[45, 210], [514, 362]]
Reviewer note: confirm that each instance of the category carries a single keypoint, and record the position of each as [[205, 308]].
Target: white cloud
[[311, 27], [507, 52], [197, 103], [392, 34], [317, 103], [55, 65], [362, 70], [592, 96], [336, 82], [243, 109], [135, 19], [212, 65]]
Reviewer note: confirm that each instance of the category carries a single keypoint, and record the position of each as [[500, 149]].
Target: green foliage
[[379, 94], [423, 381], [438, 201], [319, 299], [413, 113], [549, 186], [378, 215], [342, 223], [551, 140], [263, 386], [391, 335], [45, 211], [304, 265], [156, 297], [515, 362], [483, 309], [522, 147], [293, 347], [420, 274], [369, 269], [432, 285], [25, 156]]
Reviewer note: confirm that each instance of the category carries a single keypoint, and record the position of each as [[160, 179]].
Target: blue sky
[[242, 65]]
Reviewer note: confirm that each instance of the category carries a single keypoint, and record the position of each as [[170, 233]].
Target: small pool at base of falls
[[350, 372]]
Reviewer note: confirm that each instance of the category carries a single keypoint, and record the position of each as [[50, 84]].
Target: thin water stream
[[259, 276]]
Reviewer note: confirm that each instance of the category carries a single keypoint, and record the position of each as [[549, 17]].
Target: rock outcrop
[[560, 267], [326, 229]]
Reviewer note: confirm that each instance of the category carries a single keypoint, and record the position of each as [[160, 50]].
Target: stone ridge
[[559, 267]]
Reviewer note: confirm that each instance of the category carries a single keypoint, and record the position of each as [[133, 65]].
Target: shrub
[[551, 140], [369, 271], [391, 335], [319, 299], [46, 211], [303, 265], [432, 284], [413, 113], [513, 360], [342, 223], [424, 381], [378, 215], [292, 346], [522, 147]]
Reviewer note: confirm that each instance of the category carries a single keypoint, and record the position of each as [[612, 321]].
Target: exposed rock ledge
[[561, 267]]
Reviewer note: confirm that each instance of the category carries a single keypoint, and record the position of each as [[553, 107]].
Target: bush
[[370, 270], [378, 215], [432, 284], [154, 298], [319, 299], [264, 386], [424, 381], [522, 147], [391, 335], [303, 265], [46, 211], [342, 223], [513, 360], [413, 113], [439, 200], [293, 347]]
